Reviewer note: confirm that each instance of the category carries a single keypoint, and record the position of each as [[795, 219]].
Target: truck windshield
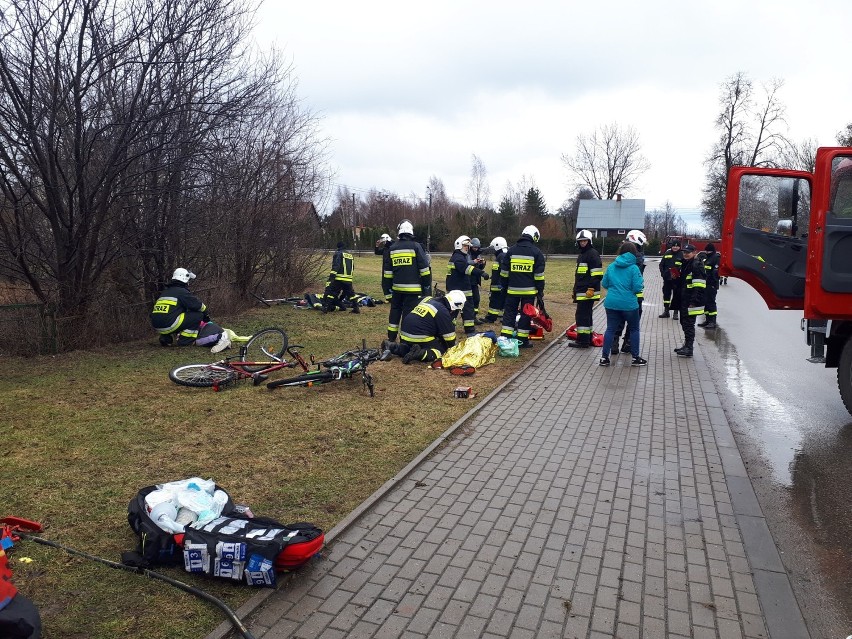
[[777, 205]]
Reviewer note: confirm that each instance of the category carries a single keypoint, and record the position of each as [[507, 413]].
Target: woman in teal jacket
[[623, 281]]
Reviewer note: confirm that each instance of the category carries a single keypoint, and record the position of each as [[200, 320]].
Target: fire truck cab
[[789, 235]]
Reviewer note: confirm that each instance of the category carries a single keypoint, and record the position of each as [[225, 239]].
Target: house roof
[[611, 214]]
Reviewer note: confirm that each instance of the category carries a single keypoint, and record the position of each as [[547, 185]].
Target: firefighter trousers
[[687, 323], [401, 304], [510, 313], [584, 321]]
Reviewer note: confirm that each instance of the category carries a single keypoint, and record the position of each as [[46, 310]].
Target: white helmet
[[532, 233], [456, 299], [499, 244], [637, 237], [182, 275], [385, 238], [461, 240], [405, 227], [584, 235]]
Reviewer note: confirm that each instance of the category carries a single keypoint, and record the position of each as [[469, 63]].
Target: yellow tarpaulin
[[475, 351]]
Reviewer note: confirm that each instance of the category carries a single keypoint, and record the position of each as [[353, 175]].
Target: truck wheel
[[844, 375]]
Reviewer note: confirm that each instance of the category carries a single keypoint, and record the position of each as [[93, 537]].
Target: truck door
[[764, 233], [830, 263]]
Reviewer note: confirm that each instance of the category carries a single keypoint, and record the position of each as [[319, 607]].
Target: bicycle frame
[[344, 366]]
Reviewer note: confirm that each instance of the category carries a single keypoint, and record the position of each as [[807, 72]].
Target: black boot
[[704, 323], [356, 308], [675, 315], [686, 351], [664, 314], [625, 346], [578, 344], [709, 324], [680, 348]]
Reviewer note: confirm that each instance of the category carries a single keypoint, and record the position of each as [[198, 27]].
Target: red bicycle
[[261, 355]]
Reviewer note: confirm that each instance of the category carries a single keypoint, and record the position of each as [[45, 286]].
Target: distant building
[[611, 217]]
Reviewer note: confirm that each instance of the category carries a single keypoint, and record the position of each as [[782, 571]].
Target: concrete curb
[[225, 628]]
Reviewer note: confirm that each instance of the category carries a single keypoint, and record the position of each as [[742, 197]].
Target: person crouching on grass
[[623, 281]]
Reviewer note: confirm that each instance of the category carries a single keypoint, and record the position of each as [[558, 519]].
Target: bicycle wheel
[[266, 345], [201, 375], [308, 379]]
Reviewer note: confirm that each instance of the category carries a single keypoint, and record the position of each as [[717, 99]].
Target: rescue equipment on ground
[[195, 523], [597, 338]]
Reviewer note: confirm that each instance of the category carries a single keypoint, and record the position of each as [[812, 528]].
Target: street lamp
[[429, 220]]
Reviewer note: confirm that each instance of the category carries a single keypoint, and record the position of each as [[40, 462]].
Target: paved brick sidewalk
[[579, 501]]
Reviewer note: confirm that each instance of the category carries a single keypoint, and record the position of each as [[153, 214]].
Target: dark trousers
[[468, 315], [622, 327], [495, 304], [510, 312], [584, 321], [615, 320], [687, 323], [669, 287], [401, 305], [432, 350], [332, 291], [710, 302]]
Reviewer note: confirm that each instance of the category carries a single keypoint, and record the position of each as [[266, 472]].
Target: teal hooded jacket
[[623, 281]]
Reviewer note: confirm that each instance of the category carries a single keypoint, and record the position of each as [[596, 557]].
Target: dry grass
[[83, 432]]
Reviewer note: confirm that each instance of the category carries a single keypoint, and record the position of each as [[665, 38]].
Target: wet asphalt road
[[795, 437]]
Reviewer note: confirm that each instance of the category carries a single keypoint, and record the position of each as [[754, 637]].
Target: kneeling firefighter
[[178, 313], [427, 331]]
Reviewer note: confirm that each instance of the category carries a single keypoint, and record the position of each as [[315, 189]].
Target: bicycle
[[261, 355], [344, 366]]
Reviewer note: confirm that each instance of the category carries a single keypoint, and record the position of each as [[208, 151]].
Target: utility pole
[[354, 223], [429, 221]]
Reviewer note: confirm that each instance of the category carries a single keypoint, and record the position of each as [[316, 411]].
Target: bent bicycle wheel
[[201, 375], [267, 345], [308, 379]]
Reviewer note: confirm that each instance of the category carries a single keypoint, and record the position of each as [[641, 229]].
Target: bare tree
[[800, 156], [750, 134], [135, 133], [478, 190], [608, 161]]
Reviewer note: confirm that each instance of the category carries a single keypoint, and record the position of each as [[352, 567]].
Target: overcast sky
[[411, 90]]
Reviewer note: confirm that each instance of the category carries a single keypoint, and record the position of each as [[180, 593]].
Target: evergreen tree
[[507, 220], [535, 209]]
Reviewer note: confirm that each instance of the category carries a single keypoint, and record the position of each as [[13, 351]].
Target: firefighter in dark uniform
[[711, 272], [406, 276], [460, 274], [498, 294], [522, 275], [693, 286], [383, 244], [177, 312], [340, 281], [637, 238], [587, 288], [475, 256], [427, 331], [670, 267]]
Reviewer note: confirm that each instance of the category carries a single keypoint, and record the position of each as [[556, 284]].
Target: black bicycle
[[347, 365]]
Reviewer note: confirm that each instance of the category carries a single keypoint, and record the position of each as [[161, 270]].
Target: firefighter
[[711, 272], [693, 285], [460, 274], [638, 239], [498, 294], [522, 277], [670, 267], [340, 281], [474, 256], [383, 244], [428, 330], [406, 276], [177, 312], [587, 288]]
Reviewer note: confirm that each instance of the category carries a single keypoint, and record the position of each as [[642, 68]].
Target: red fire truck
[[789, 235]]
